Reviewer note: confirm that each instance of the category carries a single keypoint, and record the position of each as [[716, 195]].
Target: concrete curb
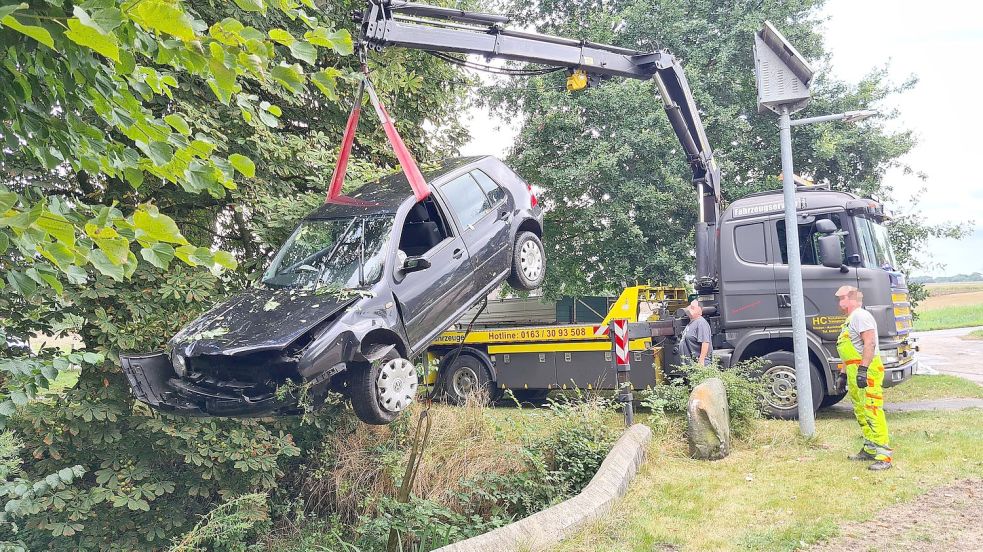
[[545, 529]]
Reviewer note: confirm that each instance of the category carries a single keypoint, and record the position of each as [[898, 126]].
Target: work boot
[[880, 465], [862, 456]]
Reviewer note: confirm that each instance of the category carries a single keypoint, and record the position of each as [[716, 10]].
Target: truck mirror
[[831, 251], [825, 226]]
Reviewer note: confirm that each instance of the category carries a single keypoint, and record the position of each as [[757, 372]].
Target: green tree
[[206, 148], [622, 208]]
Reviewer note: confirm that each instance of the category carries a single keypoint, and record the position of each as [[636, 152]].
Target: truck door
[[748, 277], [819, 283]]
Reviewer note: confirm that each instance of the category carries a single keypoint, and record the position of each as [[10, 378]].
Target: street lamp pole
[[803, 377]]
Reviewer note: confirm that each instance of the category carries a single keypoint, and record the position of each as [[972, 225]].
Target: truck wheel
[[830, 400], [467, 376], [381, 390], [528, 262], [780, 395]]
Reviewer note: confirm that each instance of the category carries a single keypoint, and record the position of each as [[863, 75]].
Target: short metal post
[[621, 362]]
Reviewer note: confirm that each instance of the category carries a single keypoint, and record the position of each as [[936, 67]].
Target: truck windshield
[[342, 253], [875, 244]]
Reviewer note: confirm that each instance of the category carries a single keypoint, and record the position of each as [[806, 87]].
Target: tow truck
[[741, 275]]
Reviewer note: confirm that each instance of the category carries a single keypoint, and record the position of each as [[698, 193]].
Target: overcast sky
[[941, 42]]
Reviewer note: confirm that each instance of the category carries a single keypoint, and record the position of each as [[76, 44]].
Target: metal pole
[[803, 378]]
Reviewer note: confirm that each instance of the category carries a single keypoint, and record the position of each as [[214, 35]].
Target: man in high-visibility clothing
[[864, 374]]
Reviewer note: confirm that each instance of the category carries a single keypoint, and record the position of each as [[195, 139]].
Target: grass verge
[[777, 491], [924, 388], [975, 335], [959, 316]]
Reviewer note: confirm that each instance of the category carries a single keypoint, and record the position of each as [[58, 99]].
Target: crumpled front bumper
[[154, 381]]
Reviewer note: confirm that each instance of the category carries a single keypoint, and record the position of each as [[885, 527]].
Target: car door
[[500, 230], [432, 298], [480, 227]]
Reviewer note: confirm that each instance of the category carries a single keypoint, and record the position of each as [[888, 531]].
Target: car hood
[[258, 320]]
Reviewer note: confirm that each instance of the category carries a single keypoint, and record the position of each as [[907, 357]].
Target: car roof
[[389, 192]]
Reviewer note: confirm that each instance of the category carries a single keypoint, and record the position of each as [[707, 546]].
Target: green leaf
[[290, 77], [22, 283], [7, 10], [251, 5], [178, 123], [37, 33], [243, 164], [7, 408], [159, 255], [90, 37], [304, 51], [7, 200], [163, 16], [52, 281], [4, 242], [49, 372], [152, 224], [225, 259], [58, 253], [19, 398], [340, 41], [105, 266], [326, 81], [116, 249], [282, 36], [58, 227]]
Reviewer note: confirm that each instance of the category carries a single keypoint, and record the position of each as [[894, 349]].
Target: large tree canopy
[[622, 207], [154, 154]]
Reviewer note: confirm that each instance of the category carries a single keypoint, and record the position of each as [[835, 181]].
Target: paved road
[[947, 352]]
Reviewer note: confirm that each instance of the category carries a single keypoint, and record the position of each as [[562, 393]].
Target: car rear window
[[490, 187], [466, 199]]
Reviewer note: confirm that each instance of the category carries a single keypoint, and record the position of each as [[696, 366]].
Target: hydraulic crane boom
[[437, 29]]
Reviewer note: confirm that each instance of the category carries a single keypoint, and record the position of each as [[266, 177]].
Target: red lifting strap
[[420, 188]]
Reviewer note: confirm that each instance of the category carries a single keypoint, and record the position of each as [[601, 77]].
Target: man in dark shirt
[[695, 343]]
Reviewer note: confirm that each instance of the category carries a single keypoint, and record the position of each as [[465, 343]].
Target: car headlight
[[889, 356], [179, 363]]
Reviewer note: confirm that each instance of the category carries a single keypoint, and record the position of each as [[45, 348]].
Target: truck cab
[[753, 318]]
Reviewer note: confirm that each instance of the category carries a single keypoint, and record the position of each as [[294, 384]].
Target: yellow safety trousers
[[868, 403]]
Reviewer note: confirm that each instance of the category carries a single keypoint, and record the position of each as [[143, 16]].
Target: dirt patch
[[948, 518], [951, 300], [953, 287]]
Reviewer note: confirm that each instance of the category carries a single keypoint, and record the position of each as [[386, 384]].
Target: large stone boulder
[[708, 421]]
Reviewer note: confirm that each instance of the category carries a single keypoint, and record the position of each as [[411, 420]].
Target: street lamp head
[[857, 116]]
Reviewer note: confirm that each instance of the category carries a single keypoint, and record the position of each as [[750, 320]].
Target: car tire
[[778, 377], [382, 390], [528, 262], [830, 400], [467, 374]]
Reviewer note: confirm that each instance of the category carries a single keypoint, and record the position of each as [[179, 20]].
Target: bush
[[744, 393]]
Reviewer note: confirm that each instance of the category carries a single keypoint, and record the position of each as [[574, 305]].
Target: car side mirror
[[831, 251], [414, 264]]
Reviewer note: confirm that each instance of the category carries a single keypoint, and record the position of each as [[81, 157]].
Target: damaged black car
[[354, 295]]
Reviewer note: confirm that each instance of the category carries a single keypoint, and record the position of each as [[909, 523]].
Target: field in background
[[951, 305]]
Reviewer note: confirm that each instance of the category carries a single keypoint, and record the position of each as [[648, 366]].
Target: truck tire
[[468, 375], [381, 390], [528, 262], [778, 377], [830, 400]]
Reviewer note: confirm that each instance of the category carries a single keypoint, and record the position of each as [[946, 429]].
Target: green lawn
[[923, 388], [958, 316], [778, 491], [974, 335]]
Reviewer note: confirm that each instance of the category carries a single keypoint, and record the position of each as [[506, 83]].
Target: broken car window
[[344, 253]]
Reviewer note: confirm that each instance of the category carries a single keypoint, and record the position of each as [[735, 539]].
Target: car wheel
[[382, 390], [466, 376], [780, 393], [528, 262]]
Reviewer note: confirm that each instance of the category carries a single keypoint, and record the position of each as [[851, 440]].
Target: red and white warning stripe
[[620, 341], [600, 331]]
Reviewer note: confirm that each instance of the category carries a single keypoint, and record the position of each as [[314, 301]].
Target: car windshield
[[341, 253], [875, 244]]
